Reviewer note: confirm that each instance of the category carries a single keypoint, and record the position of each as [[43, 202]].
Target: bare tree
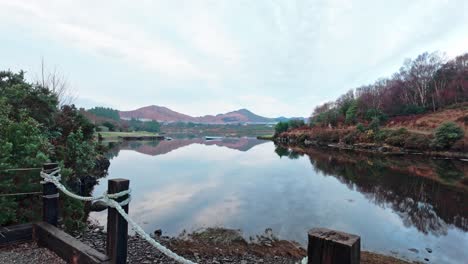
[[56, 82]]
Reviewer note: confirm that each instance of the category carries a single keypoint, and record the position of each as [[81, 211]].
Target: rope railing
[[19, 194], [20, 169], [54, 178]]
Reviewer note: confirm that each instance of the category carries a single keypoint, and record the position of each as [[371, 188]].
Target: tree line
[[113, 122], [105, 112], [427, 83]]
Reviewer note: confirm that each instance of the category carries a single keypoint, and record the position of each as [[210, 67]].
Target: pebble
[[139, 251]]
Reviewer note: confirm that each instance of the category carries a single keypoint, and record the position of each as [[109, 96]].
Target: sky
[[275, 58]]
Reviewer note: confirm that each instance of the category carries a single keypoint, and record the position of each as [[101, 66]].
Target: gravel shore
[[211, 246], [28, 253], [216, 246], [231, 250]]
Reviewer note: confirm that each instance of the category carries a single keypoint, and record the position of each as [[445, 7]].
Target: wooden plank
[[66, 246], [117, 226], [333, 247], [15, 234], [50, 200]]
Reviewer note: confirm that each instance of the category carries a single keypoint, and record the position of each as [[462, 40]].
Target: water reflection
[[157, 147], [426, 193], [393, 203]]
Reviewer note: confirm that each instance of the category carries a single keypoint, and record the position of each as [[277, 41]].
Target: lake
[[398, 205]]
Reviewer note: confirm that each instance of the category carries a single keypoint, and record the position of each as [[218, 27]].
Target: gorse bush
[[447, 134]]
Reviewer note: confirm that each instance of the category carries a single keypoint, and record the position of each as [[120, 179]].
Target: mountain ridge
[[165, 114]]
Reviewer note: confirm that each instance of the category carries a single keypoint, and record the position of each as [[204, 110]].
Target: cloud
[[205, 57], [122, 41]]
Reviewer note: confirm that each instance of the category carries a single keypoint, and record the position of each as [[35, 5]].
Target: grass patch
[[265, 137], [115, 135]]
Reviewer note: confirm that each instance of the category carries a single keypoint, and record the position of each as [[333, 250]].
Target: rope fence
[[19, 194], [109, 199], [21, 169]]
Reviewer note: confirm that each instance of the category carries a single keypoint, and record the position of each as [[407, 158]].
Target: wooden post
[[117, 226], [50, 198], [333, 247]]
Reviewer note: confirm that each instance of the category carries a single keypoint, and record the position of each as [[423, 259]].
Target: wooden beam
[[50, 199], [66, 246], [117, 226], [333, 247], [15, 234]]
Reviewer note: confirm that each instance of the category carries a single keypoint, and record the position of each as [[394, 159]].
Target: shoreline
[[374, 148], [218, 245]]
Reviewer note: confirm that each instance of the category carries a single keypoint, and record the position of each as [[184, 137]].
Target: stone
[[158, 232]]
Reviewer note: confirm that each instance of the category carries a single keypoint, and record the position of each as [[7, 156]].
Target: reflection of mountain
[[155, 148], [427, 194]]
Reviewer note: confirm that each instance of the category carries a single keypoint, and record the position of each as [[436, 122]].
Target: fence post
[[50, 197], [117, 226], [333, 247]]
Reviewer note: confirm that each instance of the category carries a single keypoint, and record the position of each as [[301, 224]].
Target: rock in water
[[158, 232]]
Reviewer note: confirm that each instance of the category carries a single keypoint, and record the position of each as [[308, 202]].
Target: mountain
[[158, 113], [164, 114]]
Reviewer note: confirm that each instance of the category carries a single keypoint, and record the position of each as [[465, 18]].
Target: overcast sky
[[206, 57]]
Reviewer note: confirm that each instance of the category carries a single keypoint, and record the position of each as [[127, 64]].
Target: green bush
[[281, 127], [375, 124], [351, 113], [417, 142], [447, 134], [372, 114], [397, 138], [360, 127], [295, 123], [381, 135], [412, 110]]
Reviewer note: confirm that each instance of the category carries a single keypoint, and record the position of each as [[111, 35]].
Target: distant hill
[[158, 113], [164, 114]]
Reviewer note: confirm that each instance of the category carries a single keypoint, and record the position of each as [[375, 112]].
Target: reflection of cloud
[[156, 204], [218, 213]]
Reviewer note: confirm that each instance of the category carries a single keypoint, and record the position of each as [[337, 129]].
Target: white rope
[[54, 177], [144, 235], [108, 199]]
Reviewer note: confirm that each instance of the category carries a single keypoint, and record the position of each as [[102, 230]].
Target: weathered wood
[[66, 246], [15, 234], [333, 247], [50, 200], [117, 226]]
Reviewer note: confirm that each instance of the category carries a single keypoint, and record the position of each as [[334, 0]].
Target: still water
[[394, 203]]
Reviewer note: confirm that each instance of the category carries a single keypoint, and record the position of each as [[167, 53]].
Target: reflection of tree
[[283, 151], [447, 171], [113, 150], [427, 203]]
